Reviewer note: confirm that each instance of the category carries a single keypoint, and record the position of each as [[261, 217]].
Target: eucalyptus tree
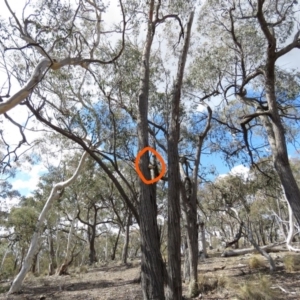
[[61, 39], [67, 100], [152, 266], [246, 40], [55, 194], [98, 203]]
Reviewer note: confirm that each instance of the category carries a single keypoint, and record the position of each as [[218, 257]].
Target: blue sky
[[26, 180]]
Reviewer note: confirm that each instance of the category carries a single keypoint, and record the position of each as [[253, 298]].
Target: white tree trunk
[[291, 228], [203, 240], [54, 195]]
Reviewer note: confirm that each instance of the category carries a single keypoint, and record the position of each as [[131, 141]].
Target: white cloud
[[7, 204], [238, 170], [213, 103], [30, 183]]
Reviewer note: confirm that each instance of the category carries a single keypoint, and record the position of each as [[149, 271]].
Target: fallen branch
[[267, 248]]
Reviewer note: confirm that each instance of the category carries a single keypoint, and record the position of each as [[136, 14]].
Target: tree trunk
[[126, 240], [113, 256], [291, 230], [4, 257], [56, 192], [276, 137], [63, 269], [186, 266], [236, 239], [52, 264], [174, 289], [34, 263], [92, 254], [267, 248], [260, 249], [203, 239], [151, 263]]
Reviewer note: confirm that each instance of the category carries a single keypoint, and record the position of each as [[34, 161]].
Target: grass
[[210, 283], [256, 262], [257, 288], [81, 269], [291, 262]]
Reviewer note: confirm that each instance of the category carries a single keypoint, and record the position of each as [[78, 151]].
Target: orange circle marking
[[163, 165]]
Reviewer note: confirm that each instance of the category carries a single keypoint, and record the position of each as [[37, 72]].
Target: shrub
[[4, 289], [257, 289], [291, 262], [255, 262], [193, 289], [206, 283], [81, 269]]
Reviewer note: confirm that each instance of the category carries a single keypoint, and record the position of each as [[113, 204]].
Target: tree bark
[[4, 257], [52, 258], [151, 262], [113, 255], [203, 239], [267, 248], [186, 266], [92, 254], [34, 263], [271, 119], [126, 240], [63, 269], [290, 235], [174, 289]]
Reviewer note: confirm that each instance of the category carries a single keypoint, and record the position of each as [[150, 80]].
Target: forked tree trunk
[[151, 263], [63, 269], [56, 192], [174, 288], [290, 235], [113, 256], [92, 254], [270, 116]]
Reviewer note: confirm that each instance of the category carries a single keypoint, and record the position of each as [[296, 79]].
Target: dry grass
[[193, 289], [291, 262], [219, 278], [210, 283], [258, 288], [30, 277], [256, 262], [81, 270]]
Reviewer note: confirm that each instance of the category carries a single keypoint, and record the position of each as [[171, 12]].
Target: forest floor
[[219, 277]]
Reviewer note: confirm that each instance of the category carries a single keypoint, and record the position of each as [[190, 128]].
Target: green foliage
[[23, 219], [4, 289], [8, 267]]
